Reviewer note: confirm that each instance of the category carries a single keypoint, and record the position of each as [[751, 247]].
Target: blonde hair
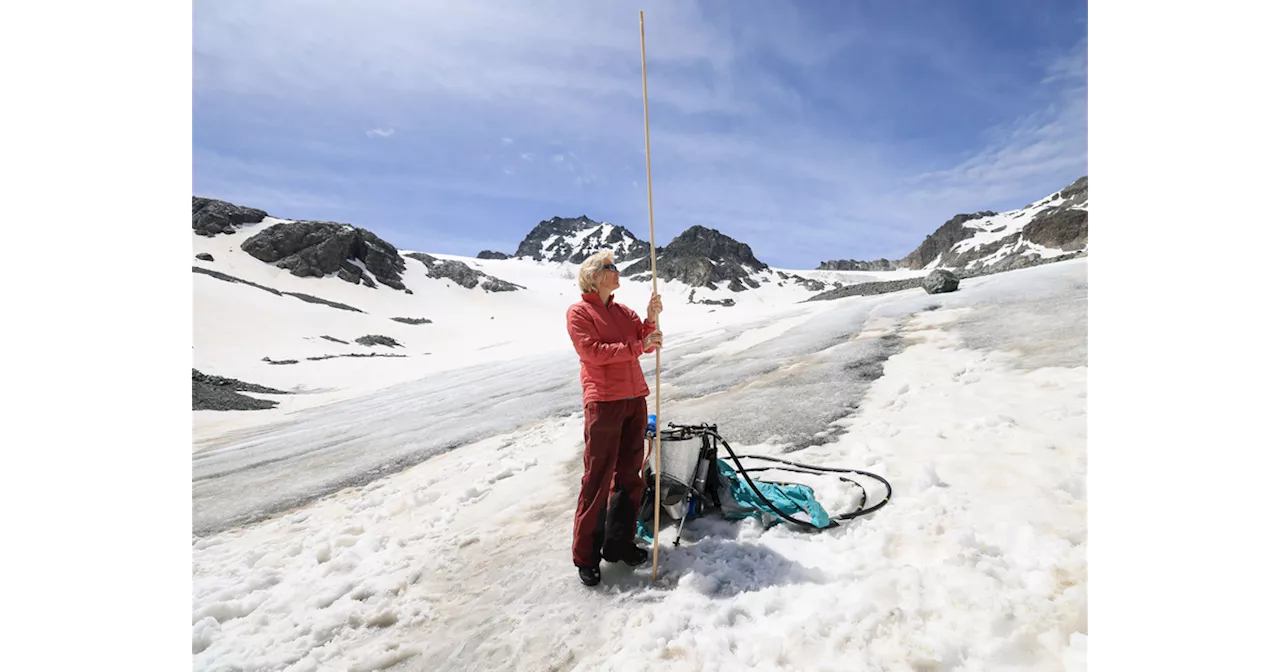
[[590, 267]]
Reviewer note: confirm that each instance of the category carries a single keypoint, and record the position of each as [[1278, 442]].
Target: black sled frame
[[699, 491]]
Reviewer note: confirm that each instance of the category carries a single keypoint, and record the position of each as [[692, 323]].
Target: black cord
[[684, 432], [888, 489]]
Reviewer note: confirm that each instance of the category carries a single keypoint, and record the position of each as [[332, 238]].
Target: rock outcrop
[[854, 265], [464, 275], [702, 257], [317, 249], [209, 217]]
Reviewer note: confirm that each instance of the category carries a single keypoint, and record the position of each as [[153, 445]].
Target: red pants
[[614, 434]]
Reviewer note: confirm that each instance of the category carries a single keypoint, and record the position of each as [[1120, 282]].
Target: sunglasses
[[609, 267]]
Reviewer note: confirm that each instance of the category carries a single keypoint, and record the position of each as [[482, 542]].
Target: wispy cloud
[[1037, 152], [858, 131]]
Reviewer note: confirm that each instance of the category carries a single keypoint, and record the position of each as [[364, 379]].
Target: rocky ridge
[[462, 274], [987, 241]]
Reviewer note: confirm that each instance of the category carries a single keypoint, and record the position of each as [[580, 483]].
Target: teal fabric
[[738, 501], [643, 530], [794, 500]]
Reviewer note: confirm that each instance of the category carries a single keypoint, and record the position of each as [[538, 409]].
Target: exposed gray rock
[[1061, 229], [316, 249], [490, 254], [350, 272], [807, 283], [324, 302], [231, 278], [335, 340], [1014, 263], [232, 383], [710, 302], [450, 269], [853, 265], [868, 289], [702, 257], [215, 393], [464, 275], [941, 281], [209, 217], [297, 295], [1077, 192], [204, 256], [960, 261], [412, 320], [355, 354], [377, 339], [492, 284], [942, 240]]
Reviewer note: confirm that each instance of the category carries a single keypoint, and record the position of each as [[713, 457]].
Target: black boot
[[620, 533], [590, 575], [634, 555], [628, 552]]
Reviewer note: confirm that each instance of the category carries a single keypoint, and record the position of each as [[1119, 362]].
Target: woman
[[610, 338]]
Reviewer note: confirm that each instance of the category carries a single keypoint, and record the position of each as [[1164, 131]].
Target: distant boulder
[[490, 254], [204, 256], [941, 281]]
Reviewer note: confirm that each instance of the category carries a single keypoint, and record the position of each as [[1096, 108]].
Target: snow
[[441, 540]]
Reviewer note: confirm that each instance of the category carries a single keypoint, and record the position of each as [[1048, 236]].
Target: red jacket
[[608, 340]]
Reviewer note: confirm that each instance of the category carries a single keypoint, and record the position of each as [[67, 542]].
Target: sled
[[695, 481]]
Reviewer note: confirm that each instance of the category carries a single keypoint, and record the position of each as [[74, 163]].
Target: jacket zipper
[[631, 369]]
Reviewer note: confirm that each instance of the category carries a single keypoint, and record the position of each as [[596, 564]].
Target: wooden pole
[[653, 266]]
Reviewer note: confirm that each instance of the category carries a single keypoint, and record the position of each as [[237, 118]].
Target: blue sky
[[809, 130]]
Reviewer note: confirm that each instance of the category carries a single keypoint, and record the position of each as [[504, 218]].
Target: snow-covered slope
[[250, 323], [972, 404]]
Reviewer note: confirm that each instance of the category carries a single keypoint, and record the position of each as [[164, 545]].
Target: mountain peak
[[703, 257], [574, 239], [701, 241]]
